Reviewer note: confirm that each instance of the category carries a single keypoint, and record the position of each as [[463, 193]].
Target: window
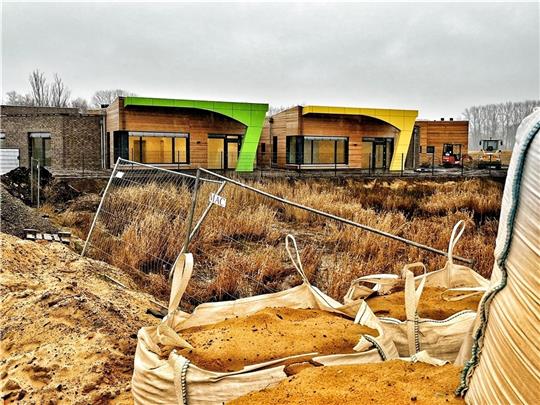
[[40, 148], [159, 147], [430, 149], [274, 149], [263, 147], [317, 150], [490, 145], [2, 139]]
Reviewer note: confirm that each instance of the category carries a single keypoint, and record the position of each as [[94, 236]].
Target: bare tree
[[80, 103], [40, 88], [59, 93], [14, 98], [497, 121], [108, 96]]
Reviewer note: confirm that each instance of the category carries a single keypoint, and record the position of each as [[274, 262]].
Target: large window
[[317, 150], [40, 148], [159, 147]]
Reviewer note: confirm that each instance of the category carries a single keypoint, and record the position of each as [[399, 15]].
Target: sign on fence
[[218, 200]]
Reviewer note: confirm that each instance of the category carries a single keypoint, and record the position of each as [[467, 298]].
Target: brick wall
[[75, 138]]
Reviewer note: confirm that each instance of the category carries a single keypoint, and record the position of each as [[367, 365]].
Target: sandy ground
[[67, 334], [431, 306], [391, 382], [270, 334]]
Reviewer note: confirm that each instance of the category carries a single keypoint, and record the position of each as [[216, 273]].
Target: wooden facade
[[196, 123], [364, 134], [435, 134], [359, 131]]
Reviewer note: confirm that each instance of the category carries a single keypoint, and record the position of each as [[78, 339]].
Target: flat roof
[[388, 112], [228, 106]]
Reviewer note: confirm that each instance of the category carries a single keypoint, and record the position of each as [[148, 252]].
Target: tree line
[[497, 121], [55, 93]]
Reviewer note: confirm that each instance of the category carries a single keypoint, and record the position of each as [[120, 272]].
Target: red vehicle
[[451, 155]]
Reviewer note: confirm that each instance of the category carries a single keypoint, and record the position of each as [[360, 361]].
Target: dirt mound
[[17, 182], [391, 382], [432, 305], [60, 192], [67, 333], [17, 216], [269, 334]]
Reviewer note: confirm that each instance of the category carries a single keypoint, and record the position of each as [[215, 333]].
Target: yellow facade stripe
[[403, 120]]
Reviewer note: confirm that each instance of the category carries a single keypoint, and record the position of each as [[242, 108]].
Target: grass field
[[240, 249]]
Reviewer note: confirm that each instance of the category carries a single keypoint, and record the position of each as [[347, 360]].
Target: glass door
[[232, 153], [379, 155], [223, 151], [216, 152]]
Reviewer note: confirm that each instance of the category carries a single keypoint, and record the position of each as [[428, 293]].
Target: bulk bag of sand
[[432, 312], [238, 346], [504, 362]]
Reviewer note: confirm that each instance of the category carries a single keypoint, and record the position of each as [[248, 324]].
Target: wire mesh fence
[[239, 249], [140, 224]]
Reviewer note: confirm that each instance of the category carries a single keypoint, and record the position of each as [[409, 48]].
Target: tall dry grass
[[239, 250]]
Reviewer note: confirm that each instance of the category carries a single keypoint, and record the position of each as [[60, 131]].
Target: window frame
[[156, 134], [300, 151]]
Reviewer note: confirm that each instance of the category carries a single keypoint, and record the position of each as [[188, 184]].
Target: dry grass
[[240, 249]]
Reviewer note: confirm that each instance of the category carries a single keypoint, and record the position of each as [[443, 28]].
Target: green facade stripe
[[250, 114]]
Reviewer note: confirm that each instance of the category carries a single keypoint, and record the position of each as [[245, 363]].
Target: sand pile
[[431, 306], [67, 334], [269, 334], [16, 216], [391, 382]]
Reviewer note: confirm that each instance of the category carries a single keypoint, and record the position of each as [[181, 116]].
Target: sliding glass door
[[317, 150], [223, 151], [159, 147]]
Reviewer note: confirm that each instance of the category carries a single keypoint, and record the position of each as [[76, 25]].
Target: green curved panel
[[250, 114]]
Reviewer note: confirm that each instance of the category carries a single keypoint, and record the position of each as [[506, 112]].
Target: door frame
[[227, 139]]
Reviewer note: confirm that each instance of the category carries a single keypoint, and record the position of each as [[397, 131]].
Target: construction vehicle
[[490, 153], [451, 155]]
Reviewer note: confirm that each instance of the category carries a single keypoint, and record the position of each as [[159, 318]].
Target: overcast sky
[[437, 58]]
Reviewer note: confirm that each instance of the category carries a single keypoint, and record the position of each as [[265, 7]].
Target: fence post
[[490, 156], [335, 158], [38, 183], [432, 163], [32, 180], [99, 207], [83, 161], [402, 165], [192, 210], [462, 165]]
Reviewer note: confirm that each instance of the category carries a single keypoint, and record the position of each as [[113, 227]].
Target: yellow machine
[[490, 153]]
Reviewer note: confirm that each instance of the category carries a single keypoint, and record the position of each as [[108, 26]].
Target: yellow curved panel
[[403, 120]]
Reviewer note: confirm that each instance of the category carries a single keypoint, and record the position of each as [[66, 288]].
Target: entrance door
[[378, 155], [223, 151], [40, 148]]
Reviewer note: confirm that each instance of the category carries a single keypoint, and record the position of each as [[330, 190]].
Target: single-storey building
[[325, 137], [59, 138], [184, 134], [187, 134], [436, 138]]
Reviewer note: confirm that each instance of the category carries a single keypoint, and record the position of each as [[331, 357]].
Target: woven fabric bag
[[162, 376], [503, 354], [442, 339]]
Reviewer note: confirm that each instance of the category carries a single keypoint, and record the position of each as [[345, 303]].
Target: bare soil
[[431, 306], [270, 334], [391, 382], [67, 333]]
